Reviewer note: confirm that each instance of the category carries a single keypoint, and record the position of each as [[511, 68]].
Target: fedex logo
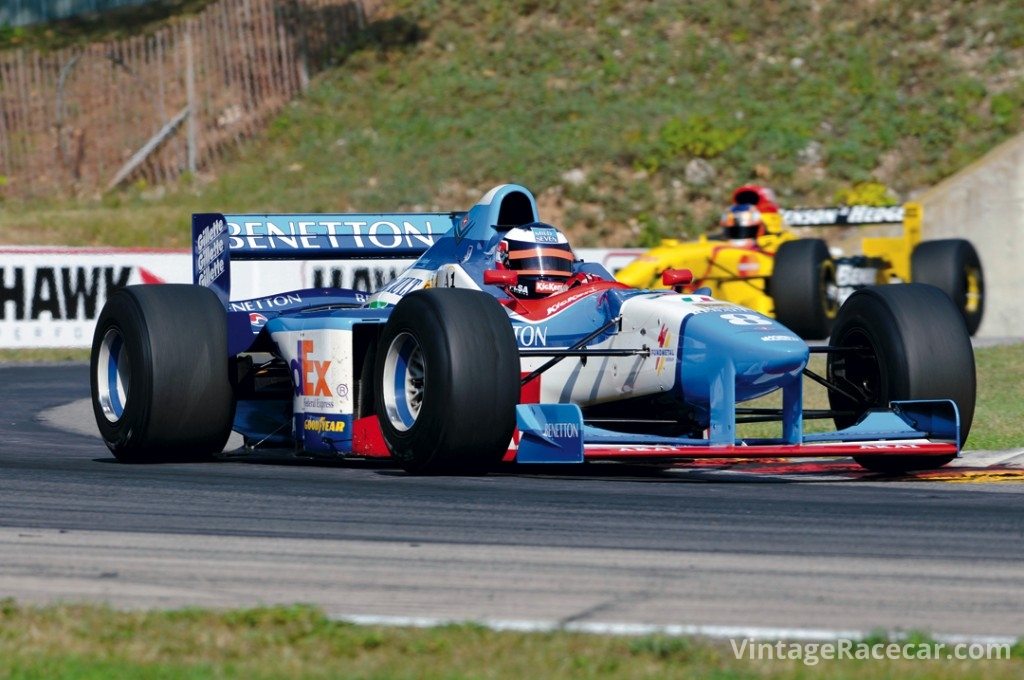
[[309, 375]]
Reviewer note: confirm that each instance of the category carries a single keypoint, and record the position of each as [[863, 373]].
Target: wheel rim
[[829, 290], [972, 303], [113, 375], [404, 381], [858, 373]]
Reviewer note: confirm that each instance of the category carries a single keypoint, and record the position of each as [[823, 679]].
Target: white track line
[[1012, 457], [675, 630]]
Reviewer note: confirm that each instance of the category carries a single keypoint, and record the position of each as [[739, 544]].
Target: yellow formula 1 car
[[759, 261]]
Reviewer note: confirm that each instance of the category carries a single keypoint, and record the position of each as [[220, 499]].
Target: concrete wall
[[984, 203]]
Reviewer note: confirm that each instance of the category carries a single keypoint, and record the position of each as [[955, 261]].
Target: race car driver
[[753, 206], [742, 224], [540, 254]]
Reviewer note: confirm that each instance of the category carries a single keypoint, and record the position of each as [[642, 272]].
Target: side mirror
[[676, 278], [501, 277]]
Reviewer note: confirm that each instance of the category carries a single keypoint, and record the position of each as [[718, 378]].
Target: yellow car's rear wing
[[896, 250]]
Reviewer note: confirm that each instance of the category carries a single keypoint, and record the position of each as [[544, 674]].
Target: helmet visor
[[550, 259], [741, 222]]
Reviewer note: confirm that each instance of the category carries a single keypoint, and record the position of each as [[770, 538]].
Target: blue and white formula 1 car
[[444, 370]]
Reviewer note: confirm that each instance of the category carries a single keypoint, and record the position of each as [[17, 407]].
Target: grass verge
[[46, 355], [82, 641], [1000, 410]]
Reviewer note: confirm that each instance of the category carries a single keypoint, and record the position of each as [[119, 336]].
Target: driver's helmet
[[541, 255], [742, 222]]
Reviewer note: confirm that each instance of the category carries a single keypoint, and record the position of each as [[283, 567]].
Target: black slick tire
[[803, 277], [159, 374], [446, 381], [952, 265], [914, 346]]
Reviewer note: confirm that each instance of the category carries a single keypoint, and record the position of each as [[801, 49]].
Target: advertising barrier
[[51, 296]]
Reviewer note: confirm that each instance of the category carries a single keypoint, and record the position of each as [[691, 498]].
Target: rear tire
[[446, 381], [159, 374], [952, 266], [802, 277], [916, 347]]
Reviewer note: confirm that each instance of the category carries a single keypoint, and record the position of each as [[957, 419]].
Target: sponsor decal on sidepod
[[323, 425], [310, 377], [257, 321]]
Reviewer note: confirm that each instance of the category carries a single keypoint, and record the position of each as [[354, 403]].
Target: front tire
[[952, 265], [914, 347], [159, 374], [446, 381], [803, 278]]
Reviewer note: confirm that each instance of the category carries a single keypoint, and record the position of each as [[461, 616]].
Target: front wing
[[556, 433]]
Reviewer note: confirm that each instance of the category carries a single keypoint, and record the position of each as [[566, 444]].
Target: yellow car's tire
[[952, 265], [801, 283]]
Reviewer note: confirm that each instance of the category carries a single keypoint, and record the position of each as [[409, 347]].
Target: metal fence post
[[192, 127]]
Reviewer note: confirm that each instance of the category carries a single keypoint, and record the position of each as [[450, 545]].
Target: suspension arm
[[578, 346]]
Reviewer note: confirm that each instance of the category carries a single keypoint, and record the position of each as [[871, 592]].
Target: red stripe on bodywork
[[535, 310], [632, 452]]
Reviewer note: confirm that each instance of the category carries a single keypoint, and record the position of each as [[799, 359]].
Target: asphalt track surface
[[826, 550]]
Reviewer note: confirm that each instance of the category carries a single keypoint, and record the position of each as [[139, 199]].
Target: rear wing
[[896, 252], [908, 214], [219, 238]]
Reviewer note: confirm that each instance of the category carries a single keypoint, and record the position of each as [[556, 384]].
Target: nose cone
[[766, 354]]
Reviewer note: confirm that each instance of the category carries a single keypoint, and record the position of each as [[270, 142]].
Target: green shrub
[[694, 136], [867, 193]]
